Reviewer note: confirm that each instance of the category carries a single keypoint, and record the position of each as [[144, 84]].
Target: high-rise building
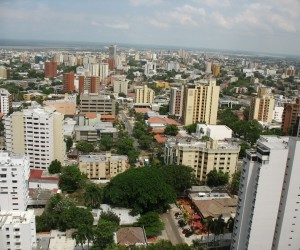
[[103, 71], [176, 101], [50, 69], [89, 84], [37, 133], [262, 106], [202, 156], [290, 115], [121, 86], [290, 71], [150, 69], [112, 51], [94, 69], [68, 82], [14, 175], [200, 103], [216, 69], [96, 103], [143, 94], [17, 230], [268, 215], [3, 72], [5, 101], [208, 67]]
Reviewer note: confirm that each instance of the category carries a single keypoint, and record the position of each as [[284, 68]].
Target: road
[[171, 229], [129, 127]]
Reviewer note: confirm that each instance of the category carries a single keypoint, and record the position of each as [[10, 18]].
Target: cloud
[[158, 23], [188, 9], [220, 20], [215, 3], [120, 26], [145, 2]]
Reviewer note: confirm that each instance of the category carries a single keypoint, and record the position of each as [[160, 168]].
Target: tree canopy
[[151, 222], [171, 130], [106, 142], [85, 146], [69, 143], [141, 189], [215, 178], [71, 179], [55, 167]]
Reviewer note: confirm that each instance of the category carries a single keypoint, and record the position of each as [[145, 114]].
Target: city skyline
[[261, 26]]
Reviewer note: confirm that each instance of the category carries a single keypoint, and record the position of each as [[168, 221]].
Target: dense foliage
[[215, 178], [85, 146], [71, 179], [55, 167], [171, 130], [151, 222]]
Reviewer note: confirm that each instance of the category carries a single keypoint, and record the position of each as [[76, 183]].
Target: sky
[[271, 26]]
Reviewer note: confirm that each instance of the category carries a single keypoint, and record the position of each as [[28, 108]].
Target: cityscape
[[126, 141]]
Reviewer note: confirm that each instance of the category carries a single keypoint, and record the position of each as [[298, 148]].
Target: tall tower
[[268, 214], [200, 103], [291, 114], [176, 101], [5, 101], [50, 69], [68, 82], [113, 52]]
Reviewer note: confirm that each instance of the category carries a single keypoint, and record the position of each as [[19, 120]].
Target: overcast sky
[[263, 26]]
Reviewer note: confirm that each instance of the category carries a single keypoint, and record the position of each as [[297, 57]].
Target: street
[[171, 229]]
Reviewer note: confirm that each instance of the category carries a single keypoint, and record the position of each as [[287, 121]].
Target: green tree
[[110, 216], [85, 146], [71, 179], [171, 130], [125, 147], [215, 178], [244, 146], [180, 177], [69, 143], [163, 109], [142, 189], [55, 167], [104, 234], [83, 234], [106, 142], [122, 95], [151, 222], [235, 182], [191, 128], [146, 142], [93, 195]]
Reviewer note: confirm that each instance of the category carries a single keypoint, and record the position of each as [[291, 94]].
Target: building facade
[[68, 82], [121, 86], [202, 156], [144, 95], [14, 175], [290, 115], [268, 214], [200, 103], [37, 133], [50, 69], [5, 101], [176, 101], [89, 84], [17, 230], [96, 103], [103, 73], [66, 106], [103, 166]]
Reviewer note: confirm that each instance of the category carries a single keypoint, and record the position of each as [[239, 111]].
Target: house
[[131, 236]]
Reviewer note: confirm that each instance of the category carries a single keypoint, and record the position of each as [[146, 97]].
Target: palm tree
[[93, 196], [218, 226], [84, 233], [208, 224]]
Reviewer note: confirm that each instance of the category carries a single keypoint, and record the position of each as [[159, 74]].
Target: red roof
[[142, 110], [108, 116], [166, 121], [160, 138], [157, 131], [90, 116], [38, 174]]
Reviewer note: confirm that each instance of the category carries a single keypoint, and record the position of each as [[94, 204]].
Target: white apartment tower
[[121, 86], [17, 230], [14, 175], [38, 133], [5, 101], [103, 73], [268, 211]]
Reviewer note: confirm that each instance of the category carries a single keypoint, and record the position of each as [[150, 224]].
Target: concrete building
[[216, 132], [200, 103], [176, 101], [290, 115], [89, 84], [262, 106], [277, 114], [144, 94], [17, 230], [37, 133], [268, 214], [150, 69], [14, 175], [103, 166], [96, 103], [202, 156], [5, 101], [103, 73], [3, 72], [50, 69], [66, 106], [216, 69], [68, 82], [121, 86], [208, 67], [112, 51]]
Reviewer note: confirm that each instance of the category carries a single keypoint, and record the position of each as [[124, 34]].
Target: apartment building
[[200, 102], [17, 230], [121, 86], [37, 133], [176, 101], [14, 175], [5, 101], [68, 82], [89, 84], [103, 166], [96, 103], [143, 94], [262, 106], [202, 156], [50, 69], [290, 115], [268, 215], [104, 71]]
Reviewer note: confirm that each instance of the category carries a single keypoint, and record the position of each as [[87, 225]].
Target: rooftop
[[130, 236]]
